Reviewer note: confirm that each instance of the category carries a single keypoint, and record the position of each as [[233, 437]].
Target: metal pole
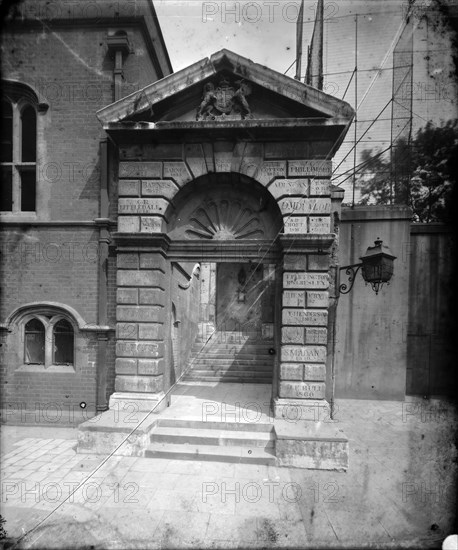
[[356, 107]]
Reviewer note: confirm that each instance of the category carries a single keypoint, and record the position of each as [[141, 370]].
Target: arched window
[[63, 339], [19, 149], [34, 352]]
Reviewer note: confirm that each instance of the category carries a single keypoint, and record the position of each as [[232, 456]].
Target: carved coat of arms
[[224, 101]]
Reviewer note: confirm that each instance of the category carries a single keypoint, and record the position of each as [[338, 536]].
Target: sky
[[356, 33]]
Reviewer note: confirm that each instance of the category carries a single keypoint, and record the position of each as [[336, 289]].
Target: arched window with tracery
[[18, 158]]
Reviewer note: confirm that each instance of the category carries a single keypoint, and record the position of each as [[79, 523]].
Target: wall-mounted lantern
[[376, 268]]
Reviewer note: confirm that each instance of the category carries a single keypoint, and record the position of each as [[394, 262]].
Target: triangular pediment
[[225, 86]]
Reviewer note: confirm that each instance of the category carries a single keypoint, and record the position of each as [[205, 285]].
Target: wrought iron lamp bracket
[[351, 271]]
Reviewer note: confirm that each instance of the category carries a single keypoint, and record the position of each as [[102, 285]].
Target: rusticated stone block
[[195, 159], [141, 384], [291, 371], [284, 187], [145, 314], [293, 298], [314, 372], [131, 277], [302, 390], [143, 206], [151, 224], [153, 261], [315, 335], [129, 188], [320, 187], [128, 224], [298, 205], [312, 168], [317, 298], [140, 170], [303, 354], [304, 317], [270, 170], [295, 224], [151, 331], [178, 172], [127, 296], [153, 296], [293, 335], [127, 260], [126, 366], [319, 281], [319, 262], [151, 367], [320, 225], [139, 349], [128, 331], [286, 150], [159, 188], [295, 262]]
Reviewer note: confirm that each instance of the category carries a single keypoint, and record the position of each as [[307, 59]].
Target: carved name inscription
[[305, 206], [164, 188], [302, 390], [140, 169], [320, 187], [306, 280], [315, 335], [293, 298], [136, 349], [295, 224], [142, 206], [151, 224], [304, 354], [317, 299], [304, 317], [319, 225], [317, 168], [280, 188], [270, 170], [177, 171]]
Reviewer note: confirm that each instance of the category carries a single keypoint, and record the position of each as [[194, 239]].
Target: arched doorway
[[229, 223]]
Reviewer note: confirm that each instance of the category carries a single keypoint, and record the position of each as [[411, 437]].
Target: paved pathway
[[398, 492]]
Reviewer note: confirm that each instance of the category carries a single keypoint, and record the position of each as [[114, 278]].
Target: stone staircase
[[181, 439], [231, 356]]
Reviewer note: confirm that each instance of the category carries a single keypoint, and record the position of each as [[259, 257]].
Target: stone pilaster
[[307, 246], [140, 316]]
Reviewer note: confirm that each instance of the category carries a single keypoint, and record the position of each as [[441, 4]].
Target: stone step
[[218, 360], [229, 372], [231, 350], [214, 453], [242, 426], [222, 438], [239, 357], [228, 379], [233, 367]]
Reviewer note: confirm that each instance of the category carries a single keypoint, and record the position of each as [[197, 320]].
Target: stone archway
[[227, 213]]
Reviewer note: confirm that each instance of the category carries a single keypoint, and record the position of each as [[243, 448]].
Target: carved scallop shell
[[224, 220]]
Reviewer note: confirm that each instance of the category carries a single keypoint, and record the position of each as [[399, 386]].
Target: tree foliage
[[422, 175]]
